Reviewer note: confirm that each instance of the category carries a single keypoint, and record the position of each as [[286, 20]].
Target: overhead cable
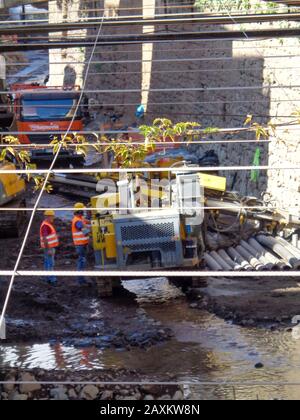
[[150, 170], [48, 173], [35, 92], [207, 20], [151, 274], [156, 38]]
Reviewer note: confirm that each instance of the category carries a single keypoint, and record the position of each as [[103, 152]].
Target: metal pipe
[[259, 255], [279, 249], [269, 256], [291, 248], [250, 258], [220, 261], [234, 265], [295, 240], [60, 179], [239, 259], [213, 264]]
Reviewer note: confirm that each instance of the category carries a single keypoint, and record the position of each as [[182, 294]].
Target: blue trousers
[[49, 263], [81, 261]]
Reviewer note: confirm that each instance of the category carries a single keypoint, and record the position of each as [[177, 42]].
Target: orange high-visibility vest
[[80, 238], [52, 238]]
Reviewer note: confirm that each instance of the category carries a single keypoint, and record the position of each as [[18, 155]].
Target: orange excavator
[[43, 113]]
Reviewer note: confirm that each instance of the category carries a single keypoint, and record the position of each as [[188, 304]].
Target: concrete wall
[[217, 64]]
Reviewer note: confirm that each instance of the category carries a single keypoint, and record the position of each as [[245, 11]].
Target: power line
[[157, 143], [168, 18], [156, 35], [151, 274], [35, 92], [211, 70], [147, 169], [207, 49], [229, 102], [156, 38], [194, 131], [44, 184], [210, 20], [171, 60], [143, 209], [161, 60]]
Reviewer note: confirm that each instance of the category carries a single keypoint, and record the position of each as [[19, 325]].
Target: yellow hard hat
[[49, 213], [79, 206]]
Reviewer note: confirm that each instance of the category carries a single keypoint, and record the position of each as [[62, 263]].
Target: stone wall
[[208, 65], [78, 386]]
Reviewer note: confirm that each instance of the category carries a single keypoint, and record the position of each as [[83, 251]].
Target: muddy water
[[204, 348]]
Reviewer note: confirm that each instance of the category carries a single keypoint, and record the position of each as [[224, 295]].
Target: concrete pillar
[[147, 53], [61, 73]]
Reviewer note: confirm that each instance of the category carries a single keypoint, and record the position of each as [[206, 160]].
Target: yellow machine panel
[[110, 245], [213, 182], [104, 236], [12, 184]]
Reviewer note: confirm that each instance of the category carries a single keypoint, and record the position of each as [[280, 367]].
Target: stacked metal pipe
[[261, 253]]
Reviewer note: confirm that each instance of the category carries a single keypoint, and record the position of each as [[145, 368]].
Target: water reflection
[[49, 357], [204, 348]]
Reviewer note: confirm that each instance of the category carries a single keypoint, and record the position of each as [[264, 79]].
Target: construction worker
[[49, 243], [81, 228]]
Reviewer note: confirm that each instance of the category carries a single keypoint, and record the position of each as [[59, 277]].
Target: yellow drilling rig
[[191, 221]]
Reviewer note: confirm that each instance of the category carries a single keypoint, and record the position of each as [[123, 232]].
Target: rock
[[59, 393], [89, 392], [9, 387], [259, 366], [151, 389], [165, 397], [107, 395], [194, 305], [32, 387], [72, 394], [178, 395], [18, 397], [124, 392], [137, 396], [149, 398]]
